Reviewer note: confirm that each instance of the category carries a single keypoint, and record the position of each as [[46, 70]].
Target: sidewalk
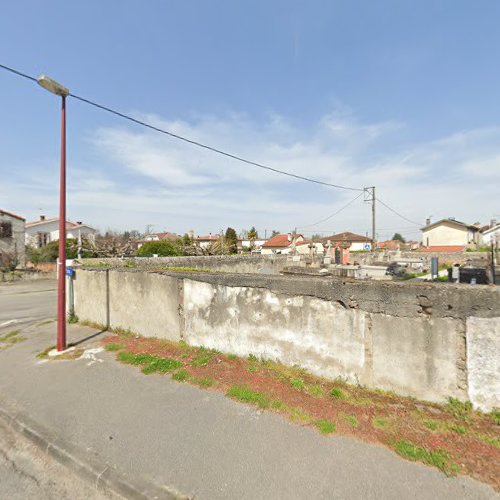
[[152, 434]]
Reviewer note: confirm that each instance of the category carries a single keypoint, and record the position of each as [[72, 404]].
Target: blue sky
[[398, 94]]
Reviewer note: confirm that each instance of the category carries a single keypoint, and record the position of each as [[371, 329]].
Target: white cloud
[[154, 179]]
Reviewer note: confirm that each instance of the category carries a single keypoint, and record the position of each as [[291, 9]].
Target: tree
[[231, 241], [162, 248], [252, 234], [398, 237], [274, 233]]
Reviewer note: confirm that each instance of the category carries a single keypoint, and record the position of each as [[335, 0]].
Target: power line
[[334, 214], [397, 213], [190, 141]]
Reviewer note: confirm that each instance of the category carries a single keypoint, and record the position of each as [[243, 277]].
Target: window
[[5, 229], [42, 239]]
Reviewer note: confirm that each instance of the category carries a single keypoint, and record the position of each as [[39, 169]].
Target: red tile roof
[[4, 212], [389, 244], [443, 248], [278, 241], [348, 236]]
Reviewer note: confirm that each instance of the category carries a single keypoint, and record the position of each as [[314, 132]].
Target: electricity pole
[[370, 196]]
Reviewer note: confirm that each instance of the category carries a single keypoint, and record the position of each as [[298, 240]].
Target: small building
[[357, 242], [41, 232], [204, 242], [12, 246], [281, 244], [161, 236], [449, 232], [309, 247], [491, 233]]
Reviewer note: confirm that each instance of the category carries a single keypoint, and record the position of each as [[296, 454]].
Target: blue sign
[[368, 246], [70, 271]]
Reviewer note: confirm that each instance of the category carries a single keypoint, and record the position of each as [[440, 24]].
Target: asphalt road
[[185, 439]]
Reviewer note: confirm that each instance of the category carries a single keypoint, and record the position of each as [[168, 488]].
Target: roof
[[347, 236], [390, 244], [10, 214], [69, 224], [443, 248], [280, 241], [166, 236], [210, 237], [450, 221], [491, 229]]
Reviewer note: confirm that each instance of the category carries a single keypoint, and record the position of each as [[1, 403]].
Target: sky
[[396, 94]]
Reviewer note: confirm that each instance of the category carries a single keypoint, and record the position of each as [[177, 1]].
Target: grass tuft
[[495, 415], [245, 394], [297, 383], [431, 424], [203, 357], [459, 409], [181, 375], [325, 426], [338, 393], [351, 419], [459, 429], [436, 458], [113, 346], [205, 382], [161, 365], [380, 423]]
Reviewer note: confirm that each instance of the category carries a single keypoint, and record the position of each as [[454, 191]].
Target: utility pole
[[374, 235]]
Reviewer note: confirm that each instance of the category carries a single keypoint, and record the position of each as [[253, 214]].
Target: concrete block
[[417, 356], [483, 362]]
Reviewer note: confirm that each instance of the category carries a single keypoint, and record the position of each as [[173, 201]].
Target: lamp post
[[58, 89]]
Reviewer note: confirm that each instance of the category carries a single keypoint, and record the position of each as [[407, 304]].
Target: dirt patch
[[451, 437]]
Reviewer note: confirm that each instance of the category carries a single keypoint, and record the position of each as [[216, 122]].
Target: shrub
[[162, 248]]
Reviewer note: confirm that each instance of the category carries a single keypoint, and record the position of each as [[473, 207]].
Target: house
[[491, 233], [161, 236], [205, 241], [357, 242], [280, 244], [309, 247], [41, 232], [389, 245], [449, 232], [12, 247], [255, 244]]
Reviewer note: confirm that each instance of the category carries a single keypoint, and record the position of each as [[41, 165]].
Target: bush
[[162, 248]]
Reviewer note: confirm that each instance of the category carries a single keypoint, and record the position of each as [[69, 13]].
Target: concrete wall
[[224, 263], [417, 339]]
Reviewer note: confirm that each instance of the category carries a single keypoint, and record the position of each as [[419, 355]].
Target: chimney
[[428, 221], [493, 222], [42, 217], [79, 222]]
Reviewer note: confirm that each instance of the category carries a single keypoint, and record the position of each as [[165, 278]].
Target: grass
[[232, 356], [130, 358], [181, 375], [338, 393], [203, 357], [431, 424], [278, 405], [46, 322], [114, 346], [351, 420], [495, 415], [12, 337], [161, 365], [205, 382], [458, 429], [459, 409], [246, 395], [72, 318], [315, 390], [299, 415], [380, 423], [436, 458], [297, 383], [325, 426]]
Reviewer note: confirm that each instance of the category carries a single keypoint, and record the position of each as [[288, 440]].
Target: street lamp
[[58, 89]]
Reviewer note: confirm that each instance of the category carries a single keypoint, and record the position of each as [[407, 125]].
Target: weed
[[232, 356], [493, 441], [252, 368], [181, 375], [12, 337], [47, 322], [297, 383], [45, 353], [459, 409], [113, 346], [135, 359], [203, 357], [124, 332], [338, 393], [351, 419], [206, 382], [436, 458], [251, 357], [72, 318], [431, 424], [459, 429], [315, 390], [380, 423], [495, 415], [161, 365], [297, 414], [245, 394], [277, 404], [325, 426]]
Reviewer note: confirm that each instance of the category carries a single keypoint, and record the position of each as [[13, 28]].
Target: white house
[[12, 248], [308, 247], [491, 233], [357, 242], [41, 232], [449, 232]]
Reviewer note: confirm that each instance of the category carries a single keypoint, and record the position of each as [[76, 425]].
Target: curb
[[90, 469]]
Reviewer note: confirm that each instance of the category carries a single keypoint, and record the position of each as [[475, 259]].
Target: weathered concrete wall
[[423, 340], [225, 263]]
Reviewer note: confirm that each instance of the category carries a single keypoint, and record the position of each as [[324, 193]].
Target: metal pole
[[374, 236], [61, 295]]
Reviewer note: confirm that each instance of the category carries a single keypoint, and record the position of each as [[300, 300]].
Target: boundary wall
[[417, 339]]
